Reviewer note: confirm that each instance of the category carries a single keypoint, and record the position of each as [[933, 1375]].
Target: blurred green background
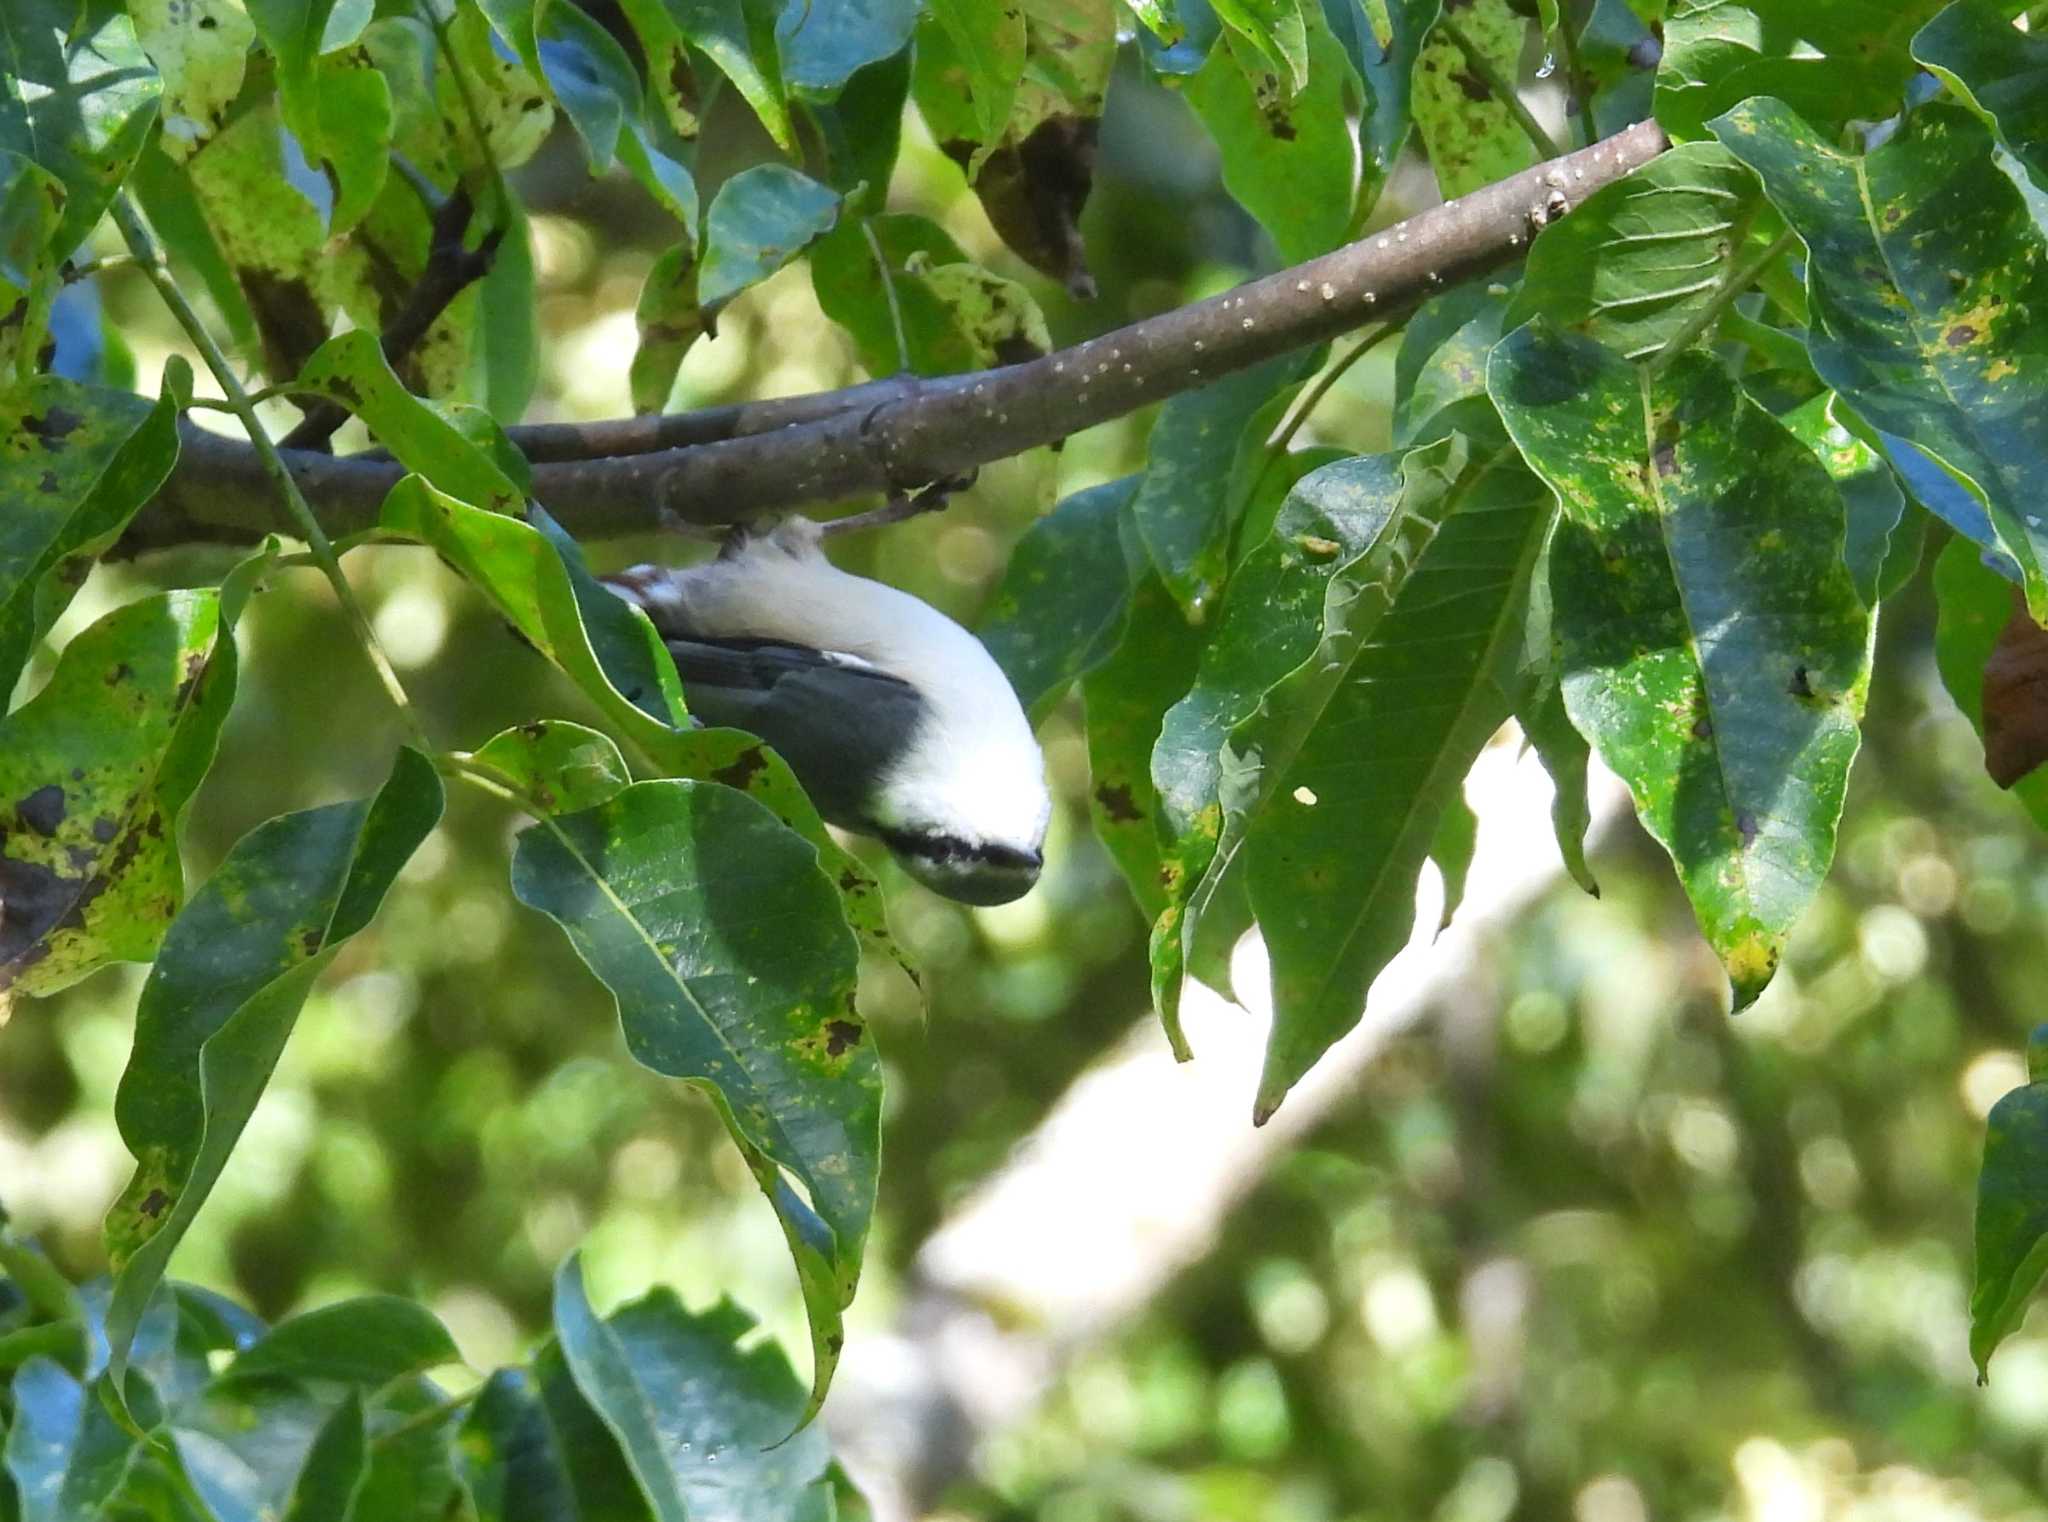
[[1578, 1247]]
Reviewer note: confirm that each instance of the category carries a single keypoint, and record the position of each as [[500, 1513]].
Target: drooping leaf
[[760, 219], [350, 369], [1976, 606], [1184, 508], [1059, 611], [1472, 138], [336, 1465], [969, 63], [1831, 63], [670, 320], [1386, 62], [1340, 779], [31, 206], [1997, 70], [78, 97], [513, 1469], [75, 464], [862, 272], [1928, 281], [728, 32], [702, 1425], [563, 767], [507, 340], [1457, 837], [221, 1000], [860, 131], [1688, 507], [1564, 754], [200, 48], [1287, 148], [1642, 256], [722, 940], [95, 774], [368, 1341], [2012, 1209], [67, 1455]]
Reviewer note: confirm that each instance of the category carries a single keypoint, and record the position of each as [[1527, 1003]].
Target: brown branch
[[727, 463]]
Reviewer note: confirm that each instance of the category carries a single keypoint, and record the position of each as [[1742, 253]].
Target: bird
[[895, 719]]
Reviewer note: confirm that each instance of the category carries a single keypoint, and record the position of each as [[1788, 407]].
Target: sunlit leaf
[[1386, 62], [1997, 70], [970, 60], [670, 320], [1929, 286], [823, 45], [722, 940], [1472, 139], [760, 219], [1687, 509], [223, 996], [563, 767]]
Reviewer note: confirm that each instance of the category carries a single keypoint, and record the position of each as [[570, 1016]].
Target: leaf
[[1184, 509], [1059, 612], [76, 462], [1472, 139], [861, 131], [1870, 492], [350, 137], [1641, 257], [562, 767], [507, 339], [1996, 70], [1687, 507], [1340, 779], [823, 45], [67, 1455], [78, 97], [1564, 754], [1457, 836], [669, 320], [969, 62], [95, 774], [1277, 31], [200, 48], [332, 1478], [744, 51], [1976, 605], [31, 206], [1831, 63], [702, 1425], [1440, 370], [369, 1341], [721, 939], [235, 967], [350, 369], [1928, 282], [1386, 62], [1288, 154], [760, 219], [2012, 1211], [868, 286], [511, 1460]]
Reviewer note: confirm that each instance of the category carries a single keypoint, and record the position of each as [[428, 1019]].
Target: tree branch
[[632, 475]]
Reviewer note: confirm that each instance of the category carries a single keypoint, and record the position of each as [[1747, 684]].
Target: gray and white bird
[[894, 718]]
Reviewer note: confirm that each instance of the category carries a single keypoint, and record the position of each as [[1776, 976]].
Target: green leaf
[[2012, 1209], [562, 767], [823, 45], [350, 369], [1687, 507], [868, 293], [67, 1455], [732, 35], [1059, 612], [861, 131], [1998, 71], [511, 1457], [168, 197], [1277, 30], [1564, 754], [1340, 779], [76, 462], [720, 936], [1440, 371], [1472, 139], [1288, 154], [31, 207], [760, 219], [78, 97], [335, 1468], [969, 62], [705, 1428], [1457, 836], [1975, 603], [1870, 492], [350, 137], [368, 1341], [1385, 60], [1185, 507], [96, 772], [507, 337], [669, 320], [1832, 62], [221, 1001], [201, 49], [1928, 282], [1637, 261]]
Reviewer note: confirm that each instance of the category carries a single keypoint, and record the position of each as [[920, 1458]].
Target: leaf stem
[[1738, 280], [867, 231], [427, 1416], [1576, 84], [302, 521], [1320, 388], [1502, 88]]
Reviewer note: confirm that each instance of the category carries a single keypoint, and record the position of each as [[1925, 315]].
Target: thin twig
[[297, 511], [76, 272], [932, 499], [1732, 285], [1502, 88], [1576, 84], [1312, 398]]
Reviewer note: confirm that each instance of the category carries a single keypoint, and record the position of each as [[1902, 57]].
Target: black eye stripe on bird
[[894, 718]]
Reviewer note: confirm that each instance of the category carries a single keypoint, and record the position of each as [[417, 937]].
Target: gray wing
[[836, 720]]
